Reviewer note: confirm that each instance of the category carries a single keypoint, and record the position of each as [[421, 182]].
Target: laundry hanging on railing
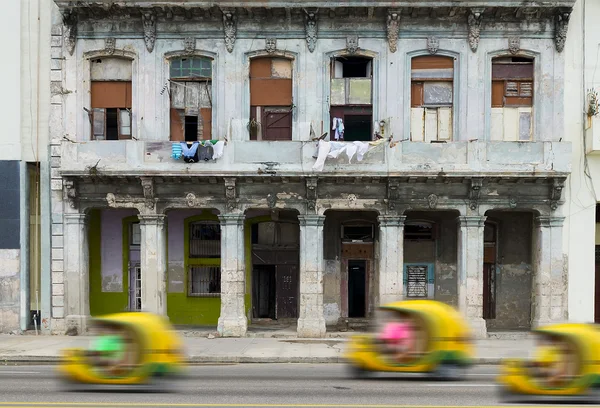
[[338, 126], [203, 150], [335, 149]]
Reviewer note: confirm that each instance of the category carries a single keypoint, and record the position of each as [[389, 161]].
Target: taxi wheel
[[449, 372], [358, 372]]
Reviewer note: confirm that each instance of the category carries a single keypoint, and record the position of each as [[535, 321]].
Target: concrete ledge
[[198, 360]]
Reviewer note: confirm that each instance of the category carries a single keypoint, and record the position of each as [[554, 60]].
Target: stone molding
[[474, 25], [311, 220], [229, 29], [386, 221], [311, 29], [152, 219], [561, 27], [433, 45], [393, 29], [76, 218], [270, 45], [70, 20], [472, 221], [149, 21], [549, 221], [232, 219]]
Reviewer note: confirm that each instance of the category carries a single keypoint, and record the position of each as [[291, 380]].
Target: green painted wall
[[102, 302]]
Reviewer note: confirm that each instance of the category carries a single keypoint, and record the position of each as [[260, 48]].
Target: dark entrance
[[489, 270], [357, 274], [597, 287], [287, 291], [264, 291]]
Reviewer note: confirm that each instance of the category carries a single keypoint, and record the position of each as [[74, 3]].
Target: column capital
[[391, 220], [311, 220], [471, 221], [75, 218], [232, 219], [549, 221], [151, 219]]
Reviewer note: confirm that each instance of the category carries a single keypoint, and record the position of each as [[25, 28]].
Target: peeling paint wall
[[9, 289], [514, 271]]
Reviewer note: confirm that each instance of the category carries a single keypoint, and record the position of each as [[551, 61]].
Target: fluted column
[[311, 322], [549, 288], [153, 263], [470, 272], [77, 272], [391, 258], [232, 321]]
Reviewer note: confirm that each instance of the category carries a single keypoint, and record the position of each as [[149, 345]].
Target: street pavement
[[200, 350], [258, 385]]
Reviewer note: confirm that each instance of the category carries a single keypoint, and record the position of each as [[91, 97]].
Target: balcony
[[295, 158]]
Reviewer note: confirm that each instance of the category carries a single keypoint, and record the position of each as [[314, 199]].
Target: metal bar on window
[[205, 281]]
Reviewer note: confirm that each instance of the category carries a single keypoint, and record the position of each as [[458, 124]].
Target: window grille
[[204, 281], [205, 240], [416, 277]]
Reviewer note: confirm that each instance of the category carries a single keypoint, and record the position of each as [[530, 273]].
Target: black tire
[[449, 372], [357, 372]]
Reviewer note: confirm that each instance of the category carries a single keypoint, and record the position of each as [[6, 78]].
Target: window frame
[[190, 278], [191, 78], [205, 217]]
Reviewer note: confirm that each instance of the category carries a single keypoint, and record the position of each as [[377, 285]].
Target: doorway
[[357, 277], [489, 270], [265, 291], [597, 287], [135, 270]]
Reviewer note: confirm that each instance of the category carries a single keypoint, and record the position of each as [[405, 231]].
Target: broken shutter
[[98, 124], [206, 116], [176, 126], [107, 94]]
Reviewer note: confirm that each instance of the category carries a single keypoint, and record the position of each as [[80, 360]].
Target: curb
[[200, 360]]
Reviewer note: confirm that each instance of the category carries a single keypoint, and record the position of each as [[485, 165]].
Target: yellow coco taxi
[[566, 366], [443, 347], [133, 349]]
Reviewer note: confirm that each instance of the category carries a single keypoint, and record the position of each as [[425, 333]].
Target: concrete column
[[549, 285], [232, 321], [153, 262], [77, 276], [470, 272], [391, 258], [311, 322]]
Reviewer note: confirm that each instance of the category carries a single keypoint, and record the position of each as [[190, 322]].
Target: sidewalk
[[203, 350]]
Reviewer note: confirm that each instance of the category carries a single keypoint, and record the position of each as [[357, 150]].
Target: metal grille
[[205, 240], [138, 288], [205, 281], [416, 277]]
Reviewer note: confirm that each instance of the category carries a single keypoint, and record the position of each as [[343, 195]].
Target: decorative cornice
[[148, 189], [234, 219], [230, 193], [149, 21], [311, 29], [229, 28], [271, 45], [393, 28], [432, 201], [71, 192], [75, 218], [556, 192], [189, 45], [474, 191], [474, 25], [352, 44], [152, 219], [70, 19]]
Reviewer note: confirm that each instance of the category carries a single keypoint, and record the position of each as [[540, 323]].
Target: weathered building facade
[[440, 176]]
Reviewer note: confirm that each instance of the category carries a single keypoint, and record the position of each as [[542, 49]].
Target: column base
[[311, 328], [232, 327], [478, 327], [76, 325]]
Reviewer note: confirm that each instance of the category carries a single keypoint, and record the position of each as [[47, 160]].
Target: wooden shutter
[[176, 126], [206, 116], [107, 94], [98, 124]]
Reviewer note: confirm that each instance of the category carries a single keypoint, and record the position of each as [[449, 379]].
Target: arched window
[[432, 96], [191, 98], [512, 98]]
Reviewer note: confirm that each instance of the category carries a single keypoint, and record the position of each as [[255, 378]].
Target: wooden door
[[287, 291]]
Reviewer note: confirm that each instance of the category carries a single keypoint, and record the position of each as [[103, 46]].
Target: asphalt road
[[257, 385]]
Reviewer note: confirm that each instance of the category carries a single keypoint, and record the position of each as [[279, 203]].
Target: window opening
[[418, 231], [205, 240], [191, 98], [357, 233], [351, 110], [432, 96], [135, 234], [204, 280], [191, 128], [512, 98], [271, 102]]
